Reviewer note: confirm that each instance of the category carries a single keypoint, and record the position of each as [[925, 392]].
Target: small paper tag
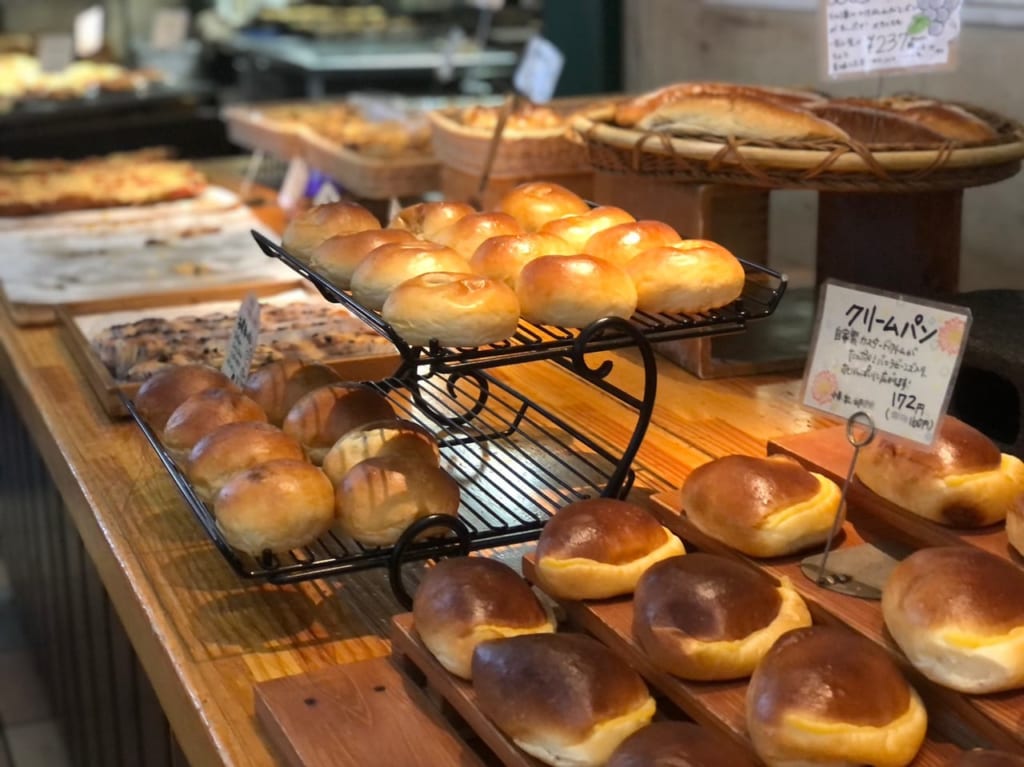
[[452, 42], [893, 358], [293, 187], [170, 28], [394, 208], [55, 52], [539, 68], [238, 359], [89, 31], [327, 192]]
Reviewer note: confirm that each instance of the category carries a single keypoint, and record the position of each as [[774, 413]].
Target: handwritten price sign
[[893, 358], [238, 359]]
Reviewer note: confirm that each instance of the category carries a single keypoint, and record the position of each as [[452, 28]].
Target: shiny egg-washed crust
[[503, 258], [201, 414], [322, 417], [390, 437], [388, 266], [678, 744], [158, 397], [576, 230], [312, 226], [336, 258], [426, 219], [623, 242], [574, 291], [276, 387], [469, 232], [535, 203], [686, 277]]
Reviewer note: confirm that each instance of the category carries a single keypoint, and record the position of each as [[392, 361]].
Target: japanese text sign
[[238, 359], [539, 70]]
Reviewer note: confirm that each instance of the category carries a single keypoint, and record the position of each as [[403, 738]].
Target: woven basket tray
[[375, 178], [822, 165], [251, 129]]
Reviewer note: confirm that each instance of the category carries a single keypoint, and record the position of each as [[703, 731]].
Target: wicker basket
[[251, 129], [374, 178]]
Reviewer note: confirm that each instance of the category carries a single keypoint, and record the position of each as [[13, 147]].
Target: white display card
[[539, 68], [327, 193], [293, 187], [869, 37], [891, 357], [170, 28], [89, 30], [238, 358]]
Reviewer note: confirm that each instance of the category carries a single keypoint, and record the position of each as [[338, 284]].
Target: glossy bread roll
[[392, 437], [336, 258], [826, 696], [389, 266], [463, 601], [764, 507], [678, 744], [1015, 526], [576, 230], [958, 615], [276, 506], [503, 258], [469, 232], [322, 417], [309, 228], [688, 277], [277, 386], [622, 243], [709, 618], [200, 414], [160, 396], [599, 548], [574, 291], [535, 203], [962, 480], [426, 219], [562, 698], [233, 448]]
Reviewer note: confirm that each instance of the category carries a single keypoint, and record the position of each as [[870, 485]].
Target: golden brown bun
[[1015, 526], [276, 506], [311, 227], [503, 258], [201, 413], [573, 291], [336, 258], [628, 113], [576, 230], [535, 203], [426, 219], [688, 277], [160, 396], [708, 618], [392, 437], [677, 744], [469, 232], [453, 308], [562, 698], [624, 242], [764, 507], [464, 601], [599, 548], [389, 266], [277, 386], [961, 480], [380, 497], [325, 415], [824, 695], [981, 758], [235, 447], [958, 615]]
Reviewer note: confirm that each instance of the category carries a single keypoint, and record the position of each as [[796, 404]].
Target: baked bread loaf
[[336, 258], [871, 123], [574, 291], [453, 308], [463, 601], [709, 618], [322, 417], [393, 437], [688, 277], [961, 480], [426, 219], [160, 395], [562, 698], [467, 234], [380, 497], [623, 242], [677, 744], [535, 203], [826, 696], [958, 615], [200, 414], [276, 506], [233, 448], [503, 258], [984, 758], [309, 228], [948, 120], [389, 266], [764, 507], [277, 386], [599, 548], [576, 230]]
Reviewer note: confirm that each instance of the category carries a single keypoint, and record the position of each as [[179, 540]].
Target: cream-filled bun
[[322, 417], [160, 395], [985, 758], [233, 448], [467, 234], [827, 696], [503, 258], [276, 506], [453, 308], [678, 744], [562, 698], [309, 228], [388, 266], [764, 507], [464, 601], [622, 243], [576, 230], [200, 414], [336, 258], [277, 386], [392, 437], [599, 548], [958, 615], [574, 291], [426, 219], [380, 497], [708, 618], [961, 480], [535, 203], [688, 277]]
